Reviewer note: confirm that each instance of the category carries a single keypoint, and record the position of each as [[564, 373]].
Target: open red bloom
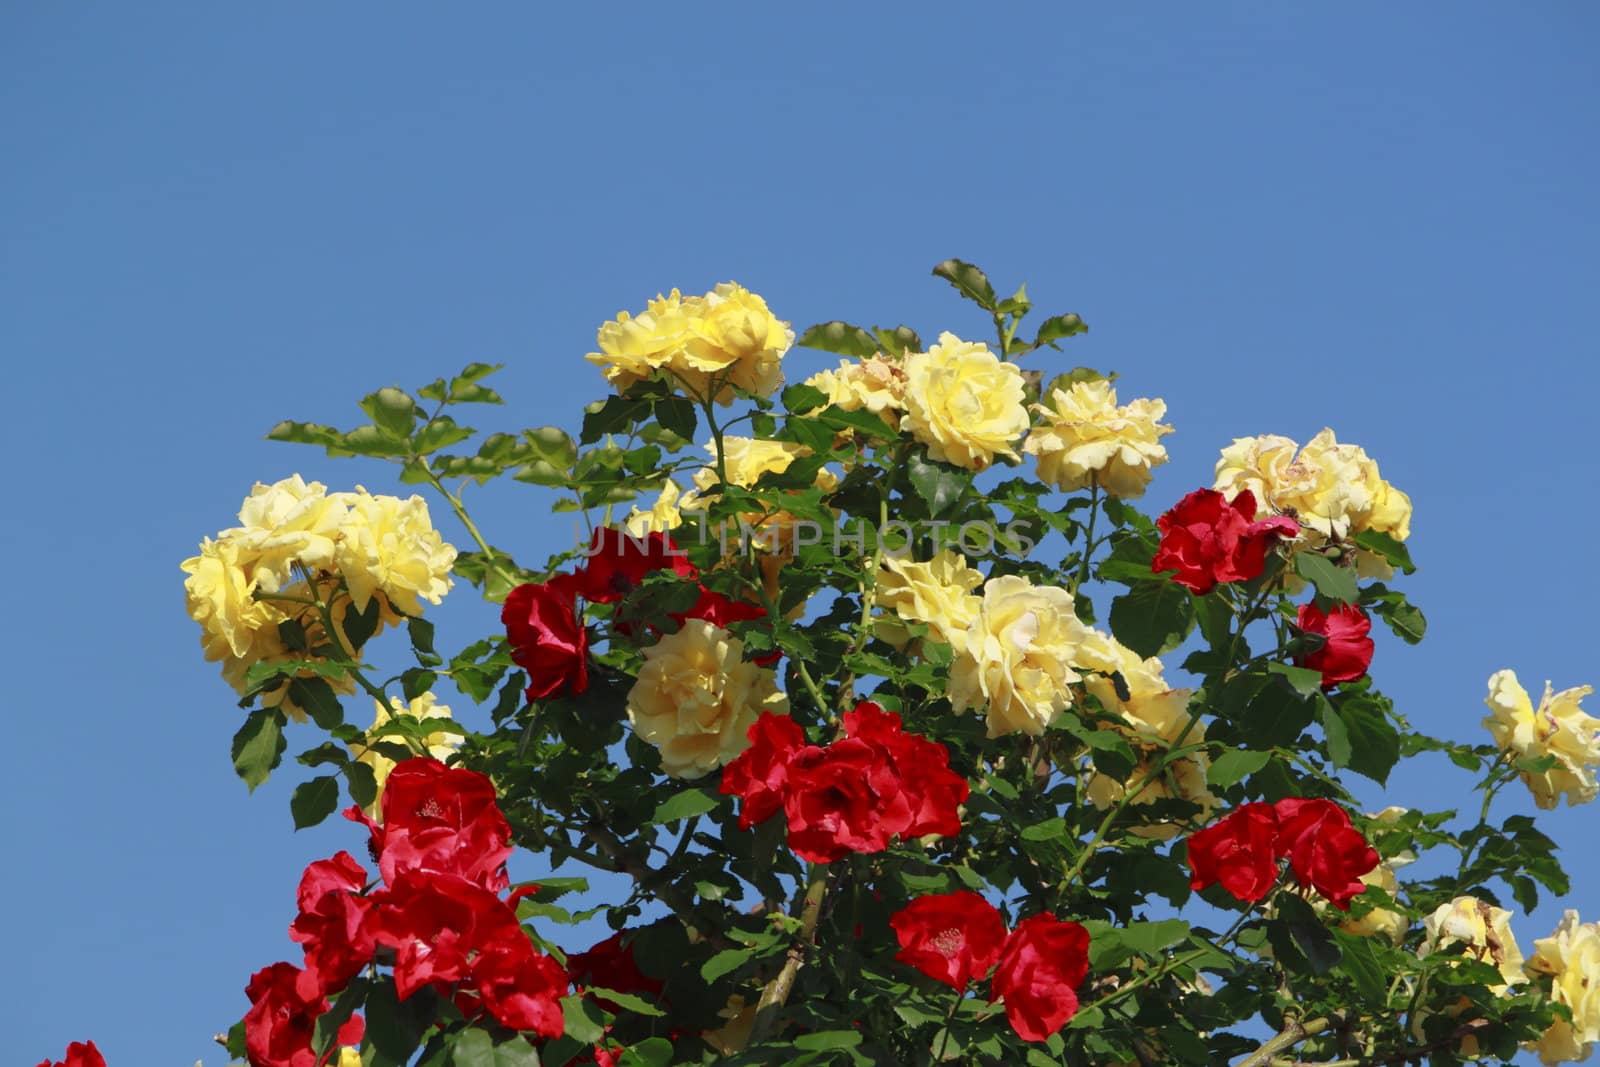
[[548, 639], [842, 799], [1043, 963], [437, 924], [335, 921], [1325, 851], [79, 1054], [935, 792], [520, 986], [439, 818], [1238, 850], [284, 1008], [1346, 652], [618, 561], [950, 937], [1208, 539], [761, 772]]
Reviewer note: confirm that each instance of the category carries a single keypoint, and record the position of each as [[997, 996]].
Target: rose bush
[[909, 737]]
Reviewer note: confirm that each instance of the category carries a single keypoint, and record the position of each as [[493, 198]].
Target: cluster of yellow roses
[[357, 548], [1558, 728], [1569, 958], [1022, 657]]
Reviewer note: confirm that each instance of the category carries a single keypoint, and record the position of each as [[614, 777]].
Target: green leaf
[[317, 697], [1298, 933], [1303, 680], [258, 746], [359, 626], [314, 801], [940, 485], [478, 1048], [1058, 327], [1374, 741], [395, 1028], [392, 410], [828, 1039], [725, 962], [1049, 830], [1332, 581], [969, 281], [799, 399], [362, 782], [626, 1001], [840, 338], [898, 342], [677, 414], [685, 804], [374, 441], [584, 1021], [1152, 618], [1385, 545], [307, 433], [1360, 963], [1338, 735], [651, 1052], [1148, 938], [1235, 765], [421, 633]]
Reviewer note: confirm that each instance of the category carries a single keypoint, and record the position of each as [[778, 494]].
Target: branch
[[777, 991], [1294, 1031]]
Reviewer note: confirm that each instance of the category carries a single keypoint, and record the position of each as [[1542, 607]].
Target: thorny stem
[[777, 991]]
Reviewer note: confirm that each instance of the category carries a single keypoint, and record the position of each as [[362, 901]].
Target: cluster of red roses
[[873, 784], [546, 630], [1207, 539], [1242, 850], [79, 1054], [438, 917], [956, 937]]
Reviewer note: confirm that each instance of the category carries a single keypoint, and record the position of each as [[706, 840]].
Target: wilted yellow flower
[[389, 546], [1086, 437], [938, 592], [964, 404], [1559, 727], [439, 744], [1019, 656], [1484, 929], [663, 515], [696, 698], [727, 338], [876, 384], [1571, 957], [1332, 490]]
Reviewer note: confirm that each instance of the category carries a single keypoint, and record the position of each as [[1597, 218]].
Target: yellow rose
[[633, 348], [1085, 437], [220, 595], [291, 521], [439, 744], [1571, 957], [696, 698], [877, 385], [1334, 491], [267, 646], [938, 592], [746, 459], [1182, 779], [1484, 929], [964, 404], [1559, 727], [736, 339], [1018, 658], [663, 515], [389, 546]]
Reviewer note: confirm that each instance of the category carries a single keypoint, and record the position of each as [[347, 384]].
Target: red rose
[[1207, 539], [935, 792], [521, 987], [1239, 850], [284, 1007], [611, 965], [79, 1055], [1346, 651], [437, 923], [617, 562], [439, 818], [761, 772], [842, 799], [951, 937], [1043, 963], [1325, 851], [335, 921], [548, 639]]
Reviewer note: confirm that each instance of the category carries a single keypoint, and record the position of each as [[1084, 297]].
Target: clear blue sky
[[1373, 217]]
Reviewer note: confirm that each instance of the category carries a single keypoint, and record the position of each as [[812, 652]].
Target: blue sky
[[1376, 218]]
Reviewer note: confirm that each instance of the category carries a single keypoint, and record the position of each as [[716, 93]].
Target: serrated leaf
[[1385, 545], [840, 338], [479, 1048], [1332, 581], [258, 746], [306, 433], [969, 281], [1338, 736], [940, 485], [441, 432], [392, 410], [627, 1001], [1374, 741], [1360, 963], [677, 414], [724, 962], [898, 342], [1152, 618], [685, 804], [314, 801], [1058, 327], [799, 399], [1148, 938], [1235, 765], [1302, 680], [316, 696], [584, 1022], [1049, 830], [373, 441]]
